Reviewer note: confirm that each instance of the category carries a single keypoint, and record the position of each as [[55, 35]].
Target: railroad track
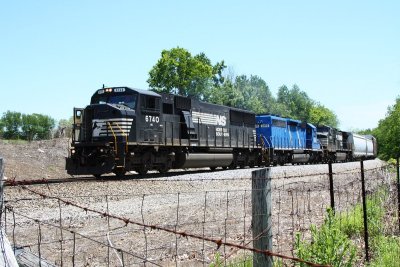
[[47, 181], [128, 176]]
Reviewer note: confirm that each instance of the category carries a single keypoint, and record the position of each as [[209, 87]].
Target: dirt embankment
[[34, 160]]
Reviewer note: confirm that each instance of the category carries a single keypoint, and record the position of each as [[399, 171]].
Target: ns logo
[[221, 120]]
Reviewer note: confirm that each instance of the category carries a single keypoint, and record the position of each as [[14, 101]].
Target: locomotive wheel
[[163, 169], [120, 172], [141, 170], [98, 176], [224, 167], [213, 168]]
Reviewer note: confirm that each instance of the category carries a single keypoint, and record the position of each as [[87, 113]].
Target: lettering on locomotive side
[[221, 120], [149, 118], [221, 132], [207, 118]]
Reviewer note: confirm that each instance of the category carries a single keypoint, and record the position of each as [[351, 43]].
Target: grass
[[14, 141], [352, 223], [332, 242], [246, 261], [329, 245], [386, 251]]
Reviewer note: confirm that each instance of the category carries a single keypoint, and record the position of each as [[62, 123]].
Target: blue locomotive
[[288, 141], [125, 129]]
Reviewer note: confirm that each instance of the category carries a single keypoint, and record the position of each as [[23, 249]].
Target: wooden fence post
[[7, 258], [261, 216], [1, 191]]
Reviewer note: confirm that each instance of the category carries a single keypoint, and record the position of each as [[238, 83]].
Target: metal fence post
[[261, 215], [364, 202], [331, 187]]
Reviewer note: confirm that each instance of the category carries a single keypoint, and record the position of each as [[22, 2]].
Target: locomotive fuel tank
[[200, 160]]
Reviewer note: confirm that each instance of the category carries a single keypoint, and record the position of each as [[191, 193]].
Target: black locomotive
[[126, 129]]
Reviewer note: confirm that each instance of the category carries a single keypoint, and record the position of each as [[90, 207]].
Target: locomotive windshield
[[126, 100]]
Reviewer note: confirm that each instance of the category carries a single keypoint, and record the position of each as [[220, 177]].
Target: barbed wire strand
[[218, 242], [72, 232]]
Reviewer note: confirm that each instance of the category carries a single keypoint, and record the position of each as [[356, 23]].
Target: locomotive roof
[[151, 93], [131, 90], [145, 92], [141, 91], [311, 125], [276, 117]]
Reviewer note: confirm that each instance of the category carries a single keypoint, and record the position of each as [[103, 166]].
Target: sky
[[344, 54]]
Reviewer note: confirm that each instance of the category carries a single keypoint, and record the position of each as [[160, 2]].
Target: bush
[[328, 245], [15, 125], [353, 224]]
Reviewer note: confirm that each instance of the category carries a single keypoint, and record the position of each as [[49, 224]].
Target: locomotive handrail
[[126, 137], [263, 140], [115, 137]]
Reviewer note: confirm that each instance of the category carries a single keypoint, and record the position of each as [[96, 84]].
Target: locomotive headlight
[[101, 150], [73, 151]]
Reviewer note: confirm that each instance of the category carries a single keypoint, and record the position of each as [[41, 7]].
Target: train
[[125, 129]]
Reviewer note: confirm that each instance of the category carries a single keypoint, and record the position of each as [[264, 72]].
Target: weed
[[14, 141], [352, 224], [387, 251], [246, 261], [329, 245]]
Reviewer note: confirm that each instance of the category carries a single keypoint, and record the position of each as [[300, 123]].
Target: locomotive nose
[[109, 121]]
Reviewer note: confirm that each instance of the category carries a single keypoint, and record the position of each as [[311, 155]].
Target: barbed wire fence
[[202, 225]]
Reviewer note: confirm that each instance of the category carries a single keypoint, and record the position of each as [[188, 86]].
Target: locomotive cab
[[103, 130]]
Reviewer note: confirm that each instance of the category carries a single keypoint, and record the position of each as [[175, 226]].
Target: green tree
[[388, 133], [320, 115], [177, 71], [64, 128], [1, 128], [263, 94], [11, 121], [294, 102], [36, 126], [28, 127], [365, 131], [226, 94], [45, 126], [256, 94]]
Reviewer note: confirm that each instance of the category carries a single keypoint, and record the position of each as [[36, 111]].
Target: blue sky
[[344, 54]]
